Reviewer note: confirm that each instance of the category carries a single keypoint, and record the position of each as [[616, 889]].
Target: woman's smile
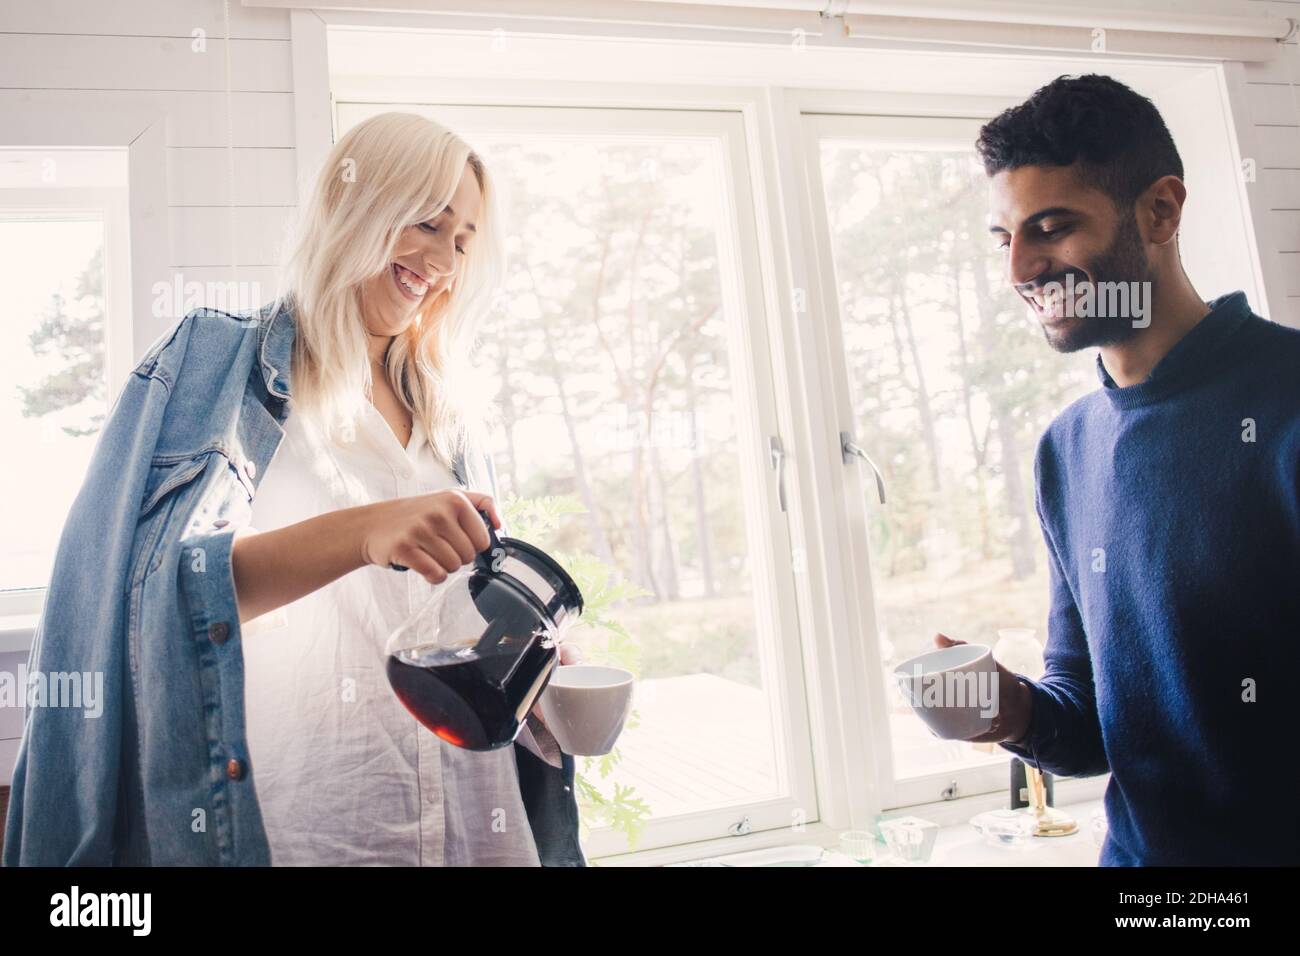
[[408, 283]]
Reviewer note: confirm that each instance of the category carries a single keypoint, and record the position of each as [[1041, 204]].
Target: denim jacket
[[142, 593]]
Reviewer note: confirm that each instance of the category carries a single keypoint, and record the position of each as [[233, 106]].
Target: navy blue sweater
[[1174, 551]]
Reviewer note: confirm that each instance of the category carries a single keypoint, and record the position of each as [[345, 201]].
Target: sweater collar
[[1194, 355]]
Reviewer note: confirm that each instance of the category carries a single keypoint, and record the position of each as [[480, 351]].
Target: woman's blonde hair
[[390, 171]]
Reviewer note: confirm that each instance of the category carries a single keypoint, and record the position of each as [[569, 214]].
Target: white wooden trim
[[195, 118], [109, 205], [151, 238], [950, 813], [18, 609], [174, 18], [34, 122], [313, 100], [960, 19], [17, 633], [833, 663], [848, 505], [1268, 261], [1065, 39], [819, 833], [201, 177], [668, 63], [855, 489], [1221, 223], [73, 62]]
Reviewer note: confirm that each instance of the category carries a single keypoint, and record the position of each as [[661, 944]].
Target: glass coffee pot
[[471, 661]]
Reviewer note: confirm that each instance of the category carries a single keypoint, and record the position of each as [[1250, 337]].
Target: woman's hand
[[433, 535], [568, 654]]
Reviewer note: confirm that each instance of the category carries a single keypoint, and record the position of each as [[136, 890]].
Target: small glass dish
[[1097, 826], [859, 845], [1005, 827], [911, 839]]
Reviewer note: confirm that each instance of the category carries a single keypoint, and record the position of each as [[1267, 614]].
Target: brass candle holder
[[1049, 821]]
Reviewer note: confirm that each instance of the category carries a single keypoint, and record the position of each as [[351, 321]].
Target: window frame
[[937, 133], [770, 550], [849, 790], [771, 90], [46, 122], [111, 207]]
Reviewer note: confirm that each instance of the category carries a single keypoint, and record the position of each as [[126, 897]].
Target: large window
[[740, 311], [950, 384], [62, 266], [626, 357]]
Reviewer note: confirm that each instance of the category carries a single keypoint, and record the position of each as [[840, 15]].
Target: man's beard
[[1124, 260]]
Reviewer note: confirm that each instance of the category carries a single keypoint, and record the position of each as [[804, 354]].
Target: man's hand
[[1015, 704]]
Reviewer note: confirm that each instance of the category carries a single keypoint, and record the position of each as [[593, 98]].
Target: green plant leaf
[[603, 590]]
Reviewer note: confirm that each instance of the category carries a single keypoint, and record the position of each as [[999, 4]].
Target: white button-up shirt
[[344, 774]]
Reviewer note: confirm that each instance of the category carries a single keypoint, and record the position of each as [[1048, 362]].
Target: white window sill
[[16, 632], [952, 816], [962, 845]]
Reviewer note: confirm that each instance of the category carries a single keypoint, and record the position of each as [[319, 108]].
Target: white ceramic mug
[[953, 689], [585, 707]]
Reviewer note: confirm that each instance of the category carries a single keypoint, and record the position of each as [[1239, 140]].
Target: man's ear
[[1160, 209]]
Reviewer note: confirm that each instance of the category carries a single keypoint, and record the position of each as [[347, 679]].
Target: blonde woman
[[283, 466]]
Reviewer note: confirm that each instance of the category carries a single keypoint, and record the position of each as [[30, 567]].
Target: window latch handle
[[777, 455], [850, 450]]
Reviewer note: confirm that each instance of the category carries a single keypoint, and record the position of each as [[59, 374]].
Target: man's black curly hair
[[1115, 135]]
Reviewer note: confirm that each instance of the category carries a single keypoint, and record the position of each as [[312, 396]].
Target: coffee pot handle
[[490, 559], [493, 541]]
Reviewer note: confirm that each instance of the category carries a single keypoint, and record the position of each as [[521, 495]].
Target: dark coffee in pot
[[472, 699]]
